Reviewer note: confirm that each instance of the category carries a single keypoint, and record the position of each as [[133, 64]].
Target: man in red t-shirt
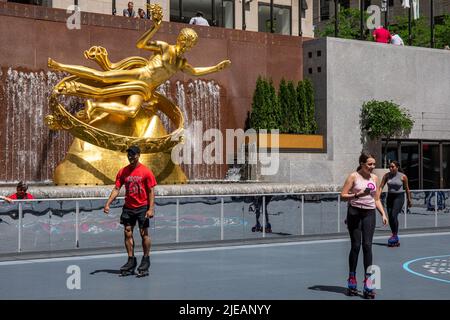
[[21, 193], [382, 35], [139, 204]]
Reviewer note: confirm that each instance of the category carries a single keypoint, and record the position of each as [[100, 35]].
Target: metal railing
[[61, 224]]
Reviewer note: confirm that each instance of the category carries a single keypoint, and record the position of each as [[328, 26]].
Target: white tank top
[[360, 184]]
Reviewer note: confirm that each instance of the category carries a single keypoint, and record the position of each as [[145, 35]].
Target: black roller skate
[[142, 270], [128, 268], [268, 228], [257, 227], [351, 285], [393, 241], [369, 292]]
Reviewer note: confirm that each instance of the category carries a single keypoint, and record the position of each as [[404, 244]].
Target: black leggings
[[394, 204], [361, 226]]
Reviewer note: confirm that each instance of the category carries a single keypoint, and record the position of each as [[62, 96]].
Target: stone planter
[[292, 142]]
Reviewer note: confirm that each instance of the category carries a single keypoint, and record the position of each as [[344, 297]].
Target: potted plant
[[384, 119], [291, 111]]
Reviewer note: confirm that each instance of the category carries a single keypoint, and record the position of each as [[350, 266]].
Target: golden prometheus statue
[[120, 109]]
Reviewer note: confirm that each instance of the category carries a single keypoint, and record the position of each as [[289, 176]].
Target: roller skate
[[351, 285], [128, 268], [369, 292], [257, 227], [268, 228], [142, 270], [393, 241]]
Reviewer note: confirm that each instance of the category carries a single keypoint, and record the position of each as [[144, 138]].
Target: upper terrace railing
[[62, 224]]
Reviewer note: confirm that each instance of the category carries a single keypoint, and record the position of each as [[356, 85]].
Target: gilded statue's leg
[[130, 109], [103, 76], [68, 87], [122, 89]]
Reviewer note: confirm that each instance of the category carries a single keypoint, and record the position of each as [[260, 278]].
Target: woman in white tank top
[[360, 190]]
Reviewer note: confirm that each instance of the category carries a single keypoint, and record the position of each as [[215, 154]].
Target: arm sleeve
[[118, 182], [150, 181]]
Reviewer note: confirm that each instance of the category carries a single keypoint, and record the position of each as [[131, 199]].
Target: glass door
[[224, 13], [410, 162], [445, 166], [431, 169]]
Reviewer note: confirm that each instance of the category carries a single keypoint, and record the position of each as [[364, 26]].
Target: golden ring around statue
[[61, 119]]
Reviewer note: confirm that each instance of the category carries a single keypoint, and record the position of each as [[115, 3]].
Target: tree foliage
[[291, 110], [420, 30], [266, 112], [349, 28], [290, 121], [385, 119], [442, 33], [349, 25]]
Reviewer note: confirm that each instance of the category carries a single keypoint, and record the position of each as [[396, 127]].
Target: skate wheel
[[141, 275], [126, 273], [352, 292]]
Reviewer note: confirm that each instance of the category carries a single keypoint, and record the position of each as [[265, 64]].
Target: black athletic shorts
[[130, 216]]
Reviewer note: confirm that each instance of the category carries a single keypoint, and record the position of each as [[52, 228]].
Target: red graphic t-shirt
[[382, 35], [135, 180], [26, 196]]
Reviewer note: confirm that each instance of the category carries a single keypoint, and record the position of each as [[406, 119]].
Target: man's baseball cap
[[134, 150]]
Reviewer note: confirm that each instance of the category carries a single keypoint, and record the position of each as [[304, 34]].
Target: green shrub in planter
[[385, 119]]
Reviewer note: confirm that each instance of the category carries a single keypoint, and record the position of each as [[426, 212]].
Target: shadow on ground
[[106, 271], [380, 244], [334, 289]]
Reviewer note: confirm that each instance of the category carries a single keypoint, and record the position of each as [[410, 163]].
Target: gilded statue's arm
[[144, 41], [187, 68]]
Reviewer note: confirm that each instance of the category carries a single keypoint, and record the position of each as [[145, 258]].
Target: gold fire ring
[[61, 119]]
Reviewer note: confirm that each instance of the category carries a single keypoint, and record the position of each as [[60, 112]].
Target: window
[[430, 165], [217, 12], [175, 11], [224, 13], [35, 2], [424, 162], [324, 10], [345, 4], [304, 8], [392, 153], [190, 8], [281, 19], [445, 166]]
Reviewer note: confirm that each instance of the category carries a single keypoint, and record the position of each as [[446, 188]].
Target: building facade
[[221, 13], [412, 77], [323, 10]]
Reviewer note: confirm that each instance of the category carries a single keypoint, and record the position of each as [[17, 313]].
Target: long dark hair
[[363, 158], [397, 164]]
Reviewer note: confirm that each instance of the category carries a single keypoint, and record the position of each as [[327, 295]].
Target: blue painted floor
[[418, 269]]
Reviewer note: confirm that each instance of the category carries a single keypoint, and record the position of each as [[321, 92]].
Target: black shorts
[[130, 216]]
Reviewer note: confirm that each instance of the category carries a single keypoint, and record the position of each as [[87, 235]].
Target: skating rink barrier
[[62, 224]]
